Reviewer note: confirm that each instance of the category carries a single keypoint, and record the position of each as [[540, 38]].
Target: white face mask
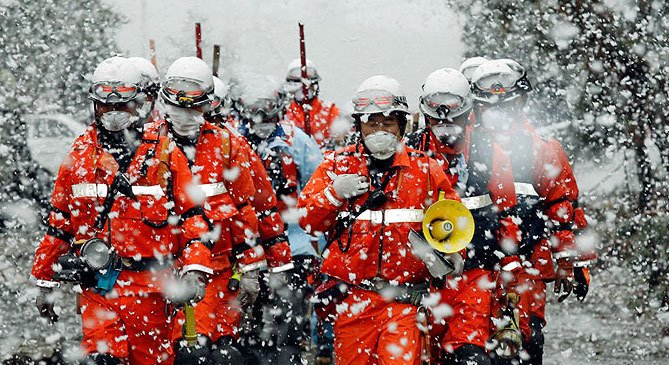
[[117, 120], [448, 134], [382, 145], [263, 130], [185, 121], [496, 119]]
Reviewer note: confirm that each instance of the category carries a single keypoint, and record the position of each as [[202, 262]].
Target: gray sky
[[349, 40]]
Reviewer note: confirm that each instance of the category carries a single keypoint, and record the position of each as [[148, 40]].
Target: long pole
[[152, 51], [217, 59], [303, 62], [198, 40]]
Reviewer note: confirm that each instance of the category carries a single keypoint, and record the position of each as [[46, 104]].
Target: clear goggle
[[114, 92], [185, 93], [295, 74], [374, 101], [495, 88], [261, 109], [441, 105]]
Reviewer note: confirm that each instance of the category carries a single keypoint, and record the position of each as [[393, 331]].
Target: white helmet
[[115, 80], [469, 66], [495, 82], [221, 89], [295, 71], [446, 94], [379, 94], [260, 98], [188, 82], [150, 78], [221, 106]]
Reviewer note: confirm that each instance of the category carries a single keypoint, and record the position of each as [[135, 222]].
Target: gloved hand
[[349, 185], [582, 279], [44, 305], [564, 279], [190, 288], [249, 287]]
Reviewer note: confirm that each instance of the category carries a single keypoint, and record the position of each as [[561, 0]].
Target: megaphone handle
[[191, 331]]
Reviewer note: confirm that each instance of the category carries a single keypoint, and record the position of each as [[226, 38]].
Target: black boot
[[225, 352], [468, 354], [535, 345], [199, 354]]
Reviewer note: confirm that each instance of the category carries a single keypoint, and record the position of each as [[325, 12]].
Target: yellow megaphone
[[448, 226]]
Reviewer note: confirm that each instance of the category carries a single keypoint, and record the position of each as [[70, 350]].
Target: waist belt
[[477, 202], [407, 293], [388, 216], [213, 189], [144, 264], [525, 189], [100, 190]]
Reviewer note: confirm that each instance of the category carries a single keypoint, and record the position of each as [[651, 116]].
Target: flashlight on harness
[[83, 262]]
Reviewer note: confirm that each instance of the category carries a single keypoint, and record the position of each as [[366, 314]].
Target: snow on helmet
[[188, 83], [495, 82], [470, 65], [446, 94], [150, 78], [260, 98], [379, 94], [523, 82], [295, 71], [115, 80]]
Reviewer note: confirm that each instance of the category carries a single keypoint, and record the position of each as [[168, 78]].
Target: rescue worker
[[125, 192], [220, 166], [319, 113], [290, 158], [188, 93], [150, 85], [547, 196], [273, 237], [481, 171], [367, 197], [271, 228]]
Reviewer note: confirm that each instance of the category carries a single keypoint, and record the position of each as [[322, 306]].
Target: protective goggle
[[185, 93], [114, 92], [441, 105], [496, 88], [262, 108], [295, 74], [374, 101]]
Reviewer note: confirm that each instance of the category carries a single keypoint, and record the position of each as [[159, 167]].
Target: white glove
[[349, 185], [190, 288], [249, 287]]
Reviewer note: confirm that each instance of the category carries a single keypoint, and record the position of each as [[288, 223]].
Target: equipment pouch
[[107, 277]]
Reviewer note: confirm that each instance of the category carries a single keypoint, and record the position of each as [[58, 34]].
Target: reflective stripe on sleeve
[[100, 190], [89, 190], [213, 189]]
